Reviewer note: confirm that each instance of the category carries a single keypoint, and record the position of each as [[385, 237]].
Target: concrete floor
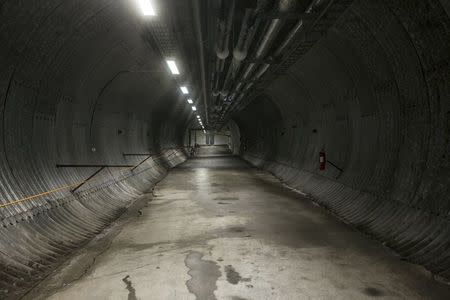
[[217, 228]]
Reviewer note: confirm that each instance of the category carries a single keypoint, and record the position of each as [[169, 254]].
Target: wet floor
[[216, 228]]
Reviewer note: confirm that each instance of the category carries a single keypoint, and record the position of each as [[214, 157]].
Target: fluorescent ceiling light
[[190, 101], [194, 108], [198, 117], [147, 8], [184, 90], [173, 67]]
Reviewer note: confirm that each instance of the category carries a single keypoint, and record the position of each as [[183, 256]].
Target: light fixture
[[184, 90], [147, 8], [190, 101], [194, 108], [173, 67]]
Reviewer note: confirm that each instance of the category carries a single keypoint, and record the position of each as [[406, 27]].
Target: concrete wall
[[235, 140], [220, 139], [374, 95], [196, 136], [200, 137], [74, 77]]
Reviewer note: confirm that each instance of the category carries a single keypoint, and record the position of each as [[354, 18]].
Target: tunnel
[[225, 149]]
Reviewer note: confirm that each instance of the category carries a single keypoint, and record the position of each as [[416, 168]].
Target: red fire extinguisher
[[322, 160]]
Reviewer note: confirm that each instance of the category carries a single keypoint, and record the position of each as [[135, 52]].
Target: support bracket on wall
[[342, 170], [285, 15], [92, 166], [89, 178], [143, 161], [100, 168], [139, 154]]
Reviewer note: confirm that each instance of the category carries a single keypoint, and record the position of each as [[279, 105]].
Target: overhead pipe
[[222, 50], [223, 41], [246, 36], [315, 5], [222, 47], [249, 27], [270, 35], [264, 46], [198, 28], [265, 66], [292, 33], [289, 38]]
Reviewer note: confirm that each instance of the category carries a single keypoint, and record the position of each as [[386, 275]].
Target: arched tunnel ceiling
[[84, 84], [373, 96], [83, 51]]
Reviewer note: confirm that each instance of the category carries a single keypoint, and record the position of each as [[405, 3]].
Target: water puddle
[[204, 275]]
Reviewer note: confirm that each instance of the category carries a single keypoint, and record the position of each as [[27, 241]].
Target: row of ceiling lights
[[148, 10], [184, 89]]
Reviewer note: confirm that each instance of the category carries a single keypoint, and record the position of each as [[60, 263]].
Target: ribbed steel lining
[[78, 85], [373, 95], [417, 235], [34, 241]]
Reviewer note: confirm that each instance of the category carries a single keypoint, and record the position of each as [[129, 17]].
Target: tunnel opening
[[345, 102], [228, 137]]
